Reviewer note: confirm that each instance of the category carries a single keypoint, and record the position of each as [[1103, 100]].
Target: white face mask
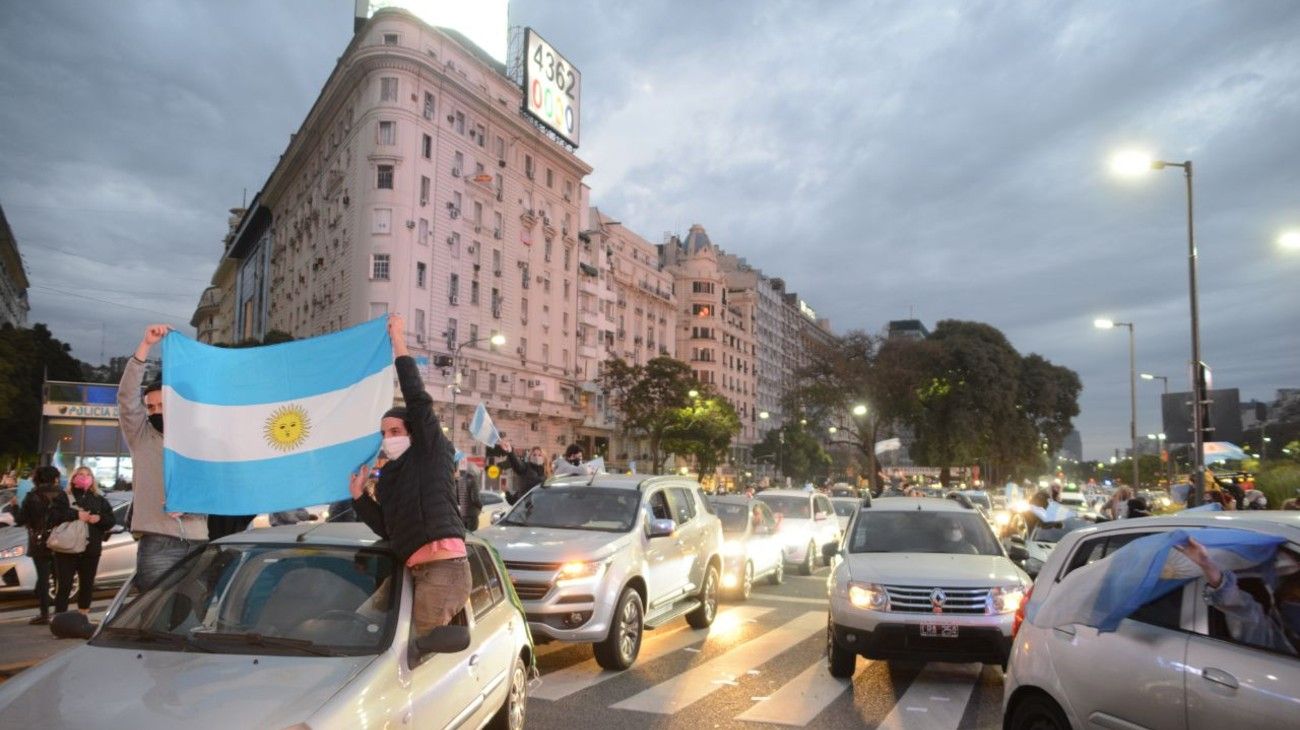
[[395, 446]]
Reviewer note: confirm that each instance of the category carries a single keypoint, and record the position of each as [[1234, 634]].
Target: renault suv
[[921, 578], [600, 559]]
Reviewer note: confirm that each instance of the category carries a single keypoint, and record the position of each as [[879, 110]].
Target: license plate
[[942, 631]]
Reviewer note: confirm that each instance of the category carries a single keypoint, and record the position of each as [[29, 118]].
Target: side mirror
[[497, 517], [443, 640], [830, 551], [71, 625], [1018, 553], [662, 528]]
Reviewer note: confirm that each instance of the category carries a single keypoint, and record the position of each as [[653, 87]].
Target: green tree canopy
[[28, 357], [648, 397], [794, 451], [703, 430]]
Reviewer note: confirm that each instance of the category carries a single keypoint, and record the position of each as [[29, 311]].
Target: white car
[[116, 561], [921, 578], [750, 546], [845, 508], [1042, 540], [495, 507], [805, 523], [301, 626], [1172, 664]]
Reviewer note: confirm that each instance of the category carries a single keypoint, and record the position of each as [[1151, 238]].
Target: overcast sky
[[941, 158]]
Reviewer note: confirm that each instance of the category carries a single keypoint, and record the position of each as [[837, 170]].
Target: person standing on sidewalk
[[37, 512], [164, 537], [89, 507], [414, 502]]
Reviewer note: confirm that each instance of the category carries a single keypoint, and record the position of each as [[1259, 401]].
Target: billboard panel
[[1225, 416], [552, 88], [485, 22]]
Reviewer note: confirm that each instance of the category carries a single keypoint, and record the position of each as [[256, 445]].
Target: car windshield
[[1054, 531], [734, 516], [788, 506], [576, 508], [960, 533], [844, 509], [304, 600], [980, 499]]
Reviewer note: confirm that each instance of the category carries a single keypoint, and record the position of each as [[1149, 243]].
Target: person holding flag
[[414, 504]]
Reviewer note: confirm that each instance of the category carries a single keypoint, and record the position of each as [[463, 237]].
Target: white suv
[[921, 578], [1172, 664], [806, 524], [599, 559]]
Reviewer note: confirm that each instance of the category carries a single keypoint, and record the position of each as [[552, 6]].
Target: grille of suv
[[536, 567], [914, 599], [531, 591]]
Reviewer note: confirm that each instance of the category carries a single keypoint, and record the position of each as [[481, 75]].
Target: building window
[[496, 303], [379, 267], [426, 147], [701, 310], [546, 250], [451, 334], [383, 221], [419, 325], [550, 178], [523, 310], [523, 348], [524, 269], [528, 166], [390, 39], [428, 105], [482, 135], [421, 273], [546, 354], [473, 292], [496, 262], [454, 241], [457, 163], [384, 180], [424, 231], [453, 288], [378, 309], [388, 89], [498, 225], [460, 122], [500, 187], [501, 148], [425, 184], [387, 133], [568, 190], [492, 344], [702, 287], [473, 335], [478, 215]]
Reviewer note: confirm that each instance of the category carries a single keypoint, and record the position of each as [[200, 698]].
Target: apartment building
[[13, 278], [416, 186]]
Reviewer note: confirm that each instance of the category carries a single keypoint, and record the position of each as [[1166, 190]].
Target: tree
[[648, 397], [28, 357], [794, 452], [702, 430]]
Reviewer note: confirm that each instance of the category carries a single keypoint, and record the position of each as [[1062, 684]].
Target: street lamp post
[[1106, 324], [1133, 163], [497, 339]]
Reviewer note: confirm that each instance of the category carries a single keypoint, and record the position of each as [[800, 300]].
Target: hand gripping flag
[[482, 428], [271, 428]]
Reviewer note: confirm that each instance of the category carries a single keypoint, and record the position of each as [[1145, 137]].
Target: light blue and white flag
[[272, 428], [482, 428]]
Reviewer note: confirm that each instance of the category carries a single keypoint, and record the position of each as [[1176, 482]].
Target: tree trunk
[[656, 460]]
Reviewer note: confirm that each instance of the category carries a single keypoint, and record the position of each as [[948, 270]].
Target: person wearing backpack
[[41, 503], [90, 507]]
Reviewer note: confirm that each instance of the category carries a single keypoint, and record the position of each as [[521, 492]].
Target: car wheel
[[619, 648], [840, 661], [747, 582], [809, 560], [777, 577], [512, 712], [1038, 712], [702, 617]]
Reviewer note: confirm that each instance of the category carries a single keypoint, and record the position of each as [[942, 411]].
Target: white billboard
[[552, 88], [485, 22]]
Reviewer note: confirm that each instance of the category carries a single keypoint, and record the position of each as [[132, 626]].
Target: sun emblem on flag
[[287, 427]]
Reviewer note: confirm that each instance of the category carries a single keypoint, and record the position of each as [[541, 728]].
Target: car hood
[[111, 687], [934, 569], [548, 545], [13, 537]]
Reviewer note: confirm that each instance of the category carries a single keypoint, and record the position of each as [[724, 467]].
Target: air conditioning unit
[[410, 225], [451, 241], [496, 233], [451, 299], [419, 337], [470, 248], [455, 172], [478, 228], [501, 163], [477, 267], [454, 213], [534, 383]]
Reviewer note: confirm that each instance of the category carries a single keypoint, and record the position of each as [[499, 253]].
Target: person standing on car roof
[[528, 473], [414, 501]]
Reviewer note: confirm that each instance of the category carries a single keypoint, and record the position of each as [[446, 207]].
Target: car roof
[[850, 500], [730, 499], [786, 493], [917, 504], [618, 481], [1271, 521], [335, 534]]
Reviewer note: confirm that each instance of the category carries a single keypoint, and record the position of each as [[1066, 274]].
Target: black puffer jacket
[[415, 499], [529, 474]]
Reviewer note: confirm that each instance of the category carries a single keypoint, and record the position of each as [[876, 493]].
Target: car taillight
[[1020, 612]]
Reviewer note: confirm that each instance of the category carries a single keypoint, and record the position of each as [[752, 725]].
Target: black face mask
[[155, 420], [575, 460]]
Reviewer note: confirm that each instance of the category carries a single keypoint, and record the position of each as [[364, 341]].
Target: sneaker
[[40, 620]]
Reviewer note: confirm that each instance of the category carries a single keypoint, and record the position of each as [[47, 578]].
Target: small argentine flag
[[482, 428], [272, 428]]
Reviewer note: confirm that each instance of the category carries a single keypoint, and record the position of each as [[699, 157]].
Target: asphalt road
[[762, 664]]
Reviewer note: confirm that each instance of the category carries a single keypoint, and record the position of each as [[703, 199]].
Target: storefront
[[79, 428]]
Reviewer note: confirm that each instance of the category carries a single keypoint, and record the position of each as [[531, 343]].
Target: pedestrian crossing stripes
[[800, 700], [935, 700]]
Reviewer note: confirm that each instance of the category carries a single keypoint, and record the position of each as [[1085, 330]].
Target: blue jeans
[[156, 554]]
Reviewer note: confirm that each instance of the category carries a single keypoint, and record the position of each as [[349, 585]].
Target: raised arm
[[424, 423], [131, 413]]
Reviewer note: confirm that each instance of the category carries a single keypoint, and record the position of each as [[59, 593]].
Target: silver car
[[116, 562], [1172, 664], [750, 549], [599, 559], [806, 524], [302, 626]]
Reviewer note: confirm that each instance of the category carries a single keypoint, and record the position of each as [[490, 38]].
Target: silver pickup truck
[[601, 558]]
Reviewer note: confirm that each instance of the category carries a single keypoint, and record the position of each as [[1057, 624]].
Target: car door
[[446, 689], [827, 527], [1231, 683], [117, 559], [691, 537], [495, 624], [1134, 674], [765, 546], [663, 567]]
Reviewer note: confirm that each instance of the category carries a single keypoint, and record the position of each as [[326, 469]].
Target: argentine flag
[[272, 428], [482, 428]]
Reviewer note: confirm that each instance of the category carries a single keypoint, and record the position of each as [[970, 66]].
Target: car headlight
[[1002, 519], [578, 569], [868, 596], [733, 548], [1006, 599], [16, 551]]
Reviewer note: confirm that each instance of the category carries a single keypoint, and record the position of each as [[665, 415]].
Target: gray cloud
[[946, 157]]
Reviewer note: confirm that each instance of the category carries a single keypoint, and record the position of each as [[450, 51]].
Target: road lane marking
[[936, 699], [669, 697], [800, 700], [562, 683]]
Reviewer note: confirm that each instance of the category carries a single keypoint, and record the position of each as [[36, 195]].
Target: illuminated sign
[[484, 22], [807, 310], [80, 410], [552, 88]]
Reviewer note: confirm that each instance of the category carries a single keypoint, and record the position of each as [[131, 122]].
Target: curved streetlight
[[496, 340], [1289, 241], [1106, 324], [859, 410]]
